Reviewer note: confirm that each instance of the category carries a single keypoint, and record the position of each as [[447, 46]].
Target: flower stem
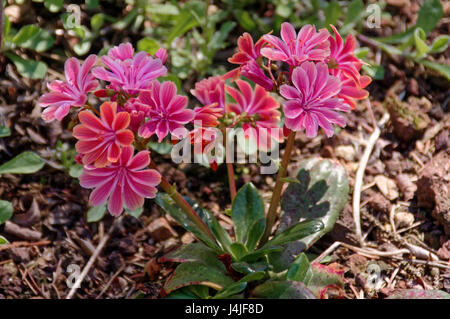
[[183, 204], [230, 168], [93, 109], [272, 212]]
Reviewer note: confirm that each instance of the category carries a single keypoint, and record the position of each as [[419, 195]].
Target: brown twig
[[92, 259], [24, 244]]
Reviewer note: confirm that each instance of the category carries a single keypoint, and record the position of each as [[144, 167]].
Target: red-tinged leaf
[[326, 278]]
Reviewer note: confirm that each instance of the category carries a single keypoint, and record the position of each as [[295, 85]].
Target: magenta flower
[[345, 65], [312, 101], [127, 73], [295, 49], [100, 140], [247, 50], [208, 115], [167, 110], [126, 181], [161, 54], [123, 52], [72, 92], [253, 72], [210, 90], [259, 111], [138, 112]]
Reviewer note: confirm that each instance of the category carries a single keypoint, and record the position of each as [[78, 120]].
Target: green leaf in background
[[441, 68], [376, 72], [220, 36], [246, 210], [92, 4], [96, 213], [197, 273], [282, 290], [429, 15], [33, 37], [6, 211], [75, 170], [355, 12], [300, 270], [3, 241], [125, 21], [97, 21], [28, 68], [440, 44], [24, 163], [419, 40], [5, 131], [245, 20], [188, 18], [148, 45], [332, 12], [164, 9], [54, 5], [284, 10]]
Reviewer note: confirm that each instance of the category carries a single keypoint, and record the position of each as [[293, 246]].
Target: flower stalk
[[272, 212]]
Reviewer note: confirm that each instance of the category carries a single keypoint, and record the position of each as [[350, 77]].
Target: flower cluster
[[315, 72], [323, 76]]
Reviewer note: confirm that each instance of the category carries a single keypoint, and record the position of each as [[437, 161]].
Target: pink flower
[[161, 54], [353, 89], [123, 52], [100, 140], [247, 50], [210, 90], [167, 110], [72, 92], [295, 49], [253, 72], [138, 112], [345, 65], [125, 181], [260, 112], [127, 73], [208, 115], [312, 101]]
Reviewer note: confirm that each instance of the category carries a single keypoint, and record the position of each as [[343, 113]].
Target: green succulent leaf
[[197, 252], [246, 211], [33, 37], [300, 270], [296, 232], [245, 20], [189, 17], [283, 290], [440, 68], [6, 211], [24, 163], [321, 194], [197, 273]]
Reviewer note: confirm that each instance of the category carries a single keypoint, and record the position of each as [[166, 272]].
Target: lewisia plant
[[314, 73]]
